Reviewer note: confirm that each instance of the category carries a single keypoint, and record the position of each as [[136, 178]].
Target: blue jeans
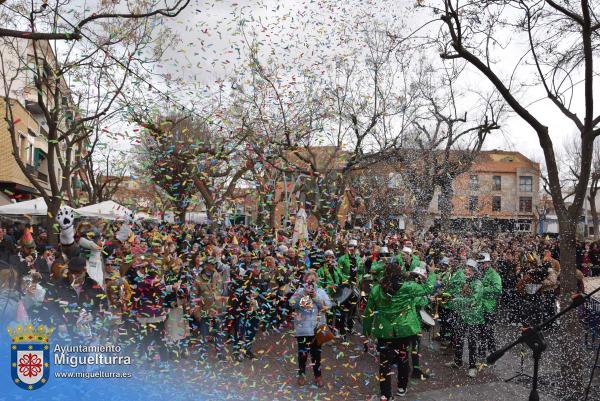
[[213, 327], [244, 333]]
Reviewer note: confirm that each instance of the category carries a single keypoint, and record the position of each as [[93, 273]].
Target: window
[[496, 204], [474, 183], [524, 226], [525, 204], [473, 203], [497, 183], [526, 184]]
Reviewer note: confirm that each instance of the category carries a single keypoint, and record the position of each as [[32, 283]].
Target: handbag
[[323, 333]]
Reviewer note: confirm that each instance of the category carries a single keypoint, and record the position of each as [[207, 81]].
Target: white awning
[[109, 210], [34, 207]]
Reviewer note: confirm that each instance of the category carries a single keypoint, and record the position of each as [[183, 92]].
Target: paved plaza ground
[[350, 374]]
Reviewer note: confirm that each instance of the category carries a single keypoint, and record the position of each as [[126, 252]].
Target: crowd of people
[[167, 291]]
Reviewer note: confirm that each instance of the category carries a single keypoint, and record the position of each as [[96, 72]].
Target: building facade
[[501, 192], [20, 96]]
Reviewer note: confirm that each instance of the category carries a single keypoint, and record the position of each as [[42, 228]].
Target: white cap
[[353, 243], [484, 257], [445, 261], [384, 250], [407, 250], [472, 263], [329, 252], [282, 249], [420, 271]]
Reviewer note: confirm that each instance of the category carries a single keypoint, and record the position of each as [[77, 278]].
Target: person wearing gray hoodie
[[309, 304]]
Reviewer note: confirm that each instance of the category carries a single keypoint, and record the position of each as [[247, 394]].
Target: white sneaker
[[401, 392], [472, 372]]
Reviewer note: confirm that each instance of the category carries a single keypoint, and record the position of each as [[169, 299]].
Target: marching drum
[[342, 293], [427, 319]]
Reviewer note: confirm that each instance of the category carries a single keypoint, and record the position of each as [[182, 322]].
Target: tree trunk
[[210, 214], [571, 333], [446, 206], [262, 210], [181, 212], [421, 210], [272, 210], [594, 211], [331, 198], [50, 221]]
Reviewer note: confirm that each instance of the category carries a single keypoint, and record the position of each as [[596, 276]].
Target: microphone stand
[[533, 338]]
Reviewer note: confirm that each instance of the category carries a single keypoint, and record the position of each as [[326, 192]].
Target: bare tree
[[594, 188], [23, 19], [377, 193], [102, 173], [266, 180], [167, 154], [570, 163], [69, 90], [187, 155], [325, 130], [561, 39], [66, 124], [222, 161], [445, 138]]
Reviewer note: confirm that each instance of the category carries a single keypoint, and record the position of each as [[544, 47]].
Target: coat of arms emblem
[[30, 356]]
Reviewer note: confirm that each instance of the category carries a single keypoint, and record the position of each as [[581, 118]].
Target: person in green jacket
[[451, 288], [330, 278], [391, 317], [468, 307], [330, 275], [492, 289], [419, 275], [352, 267], [351, 263]]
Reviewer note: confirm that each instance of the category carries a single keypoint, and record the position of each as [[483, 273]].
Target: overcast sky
[[210, 49], [292, 30]]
